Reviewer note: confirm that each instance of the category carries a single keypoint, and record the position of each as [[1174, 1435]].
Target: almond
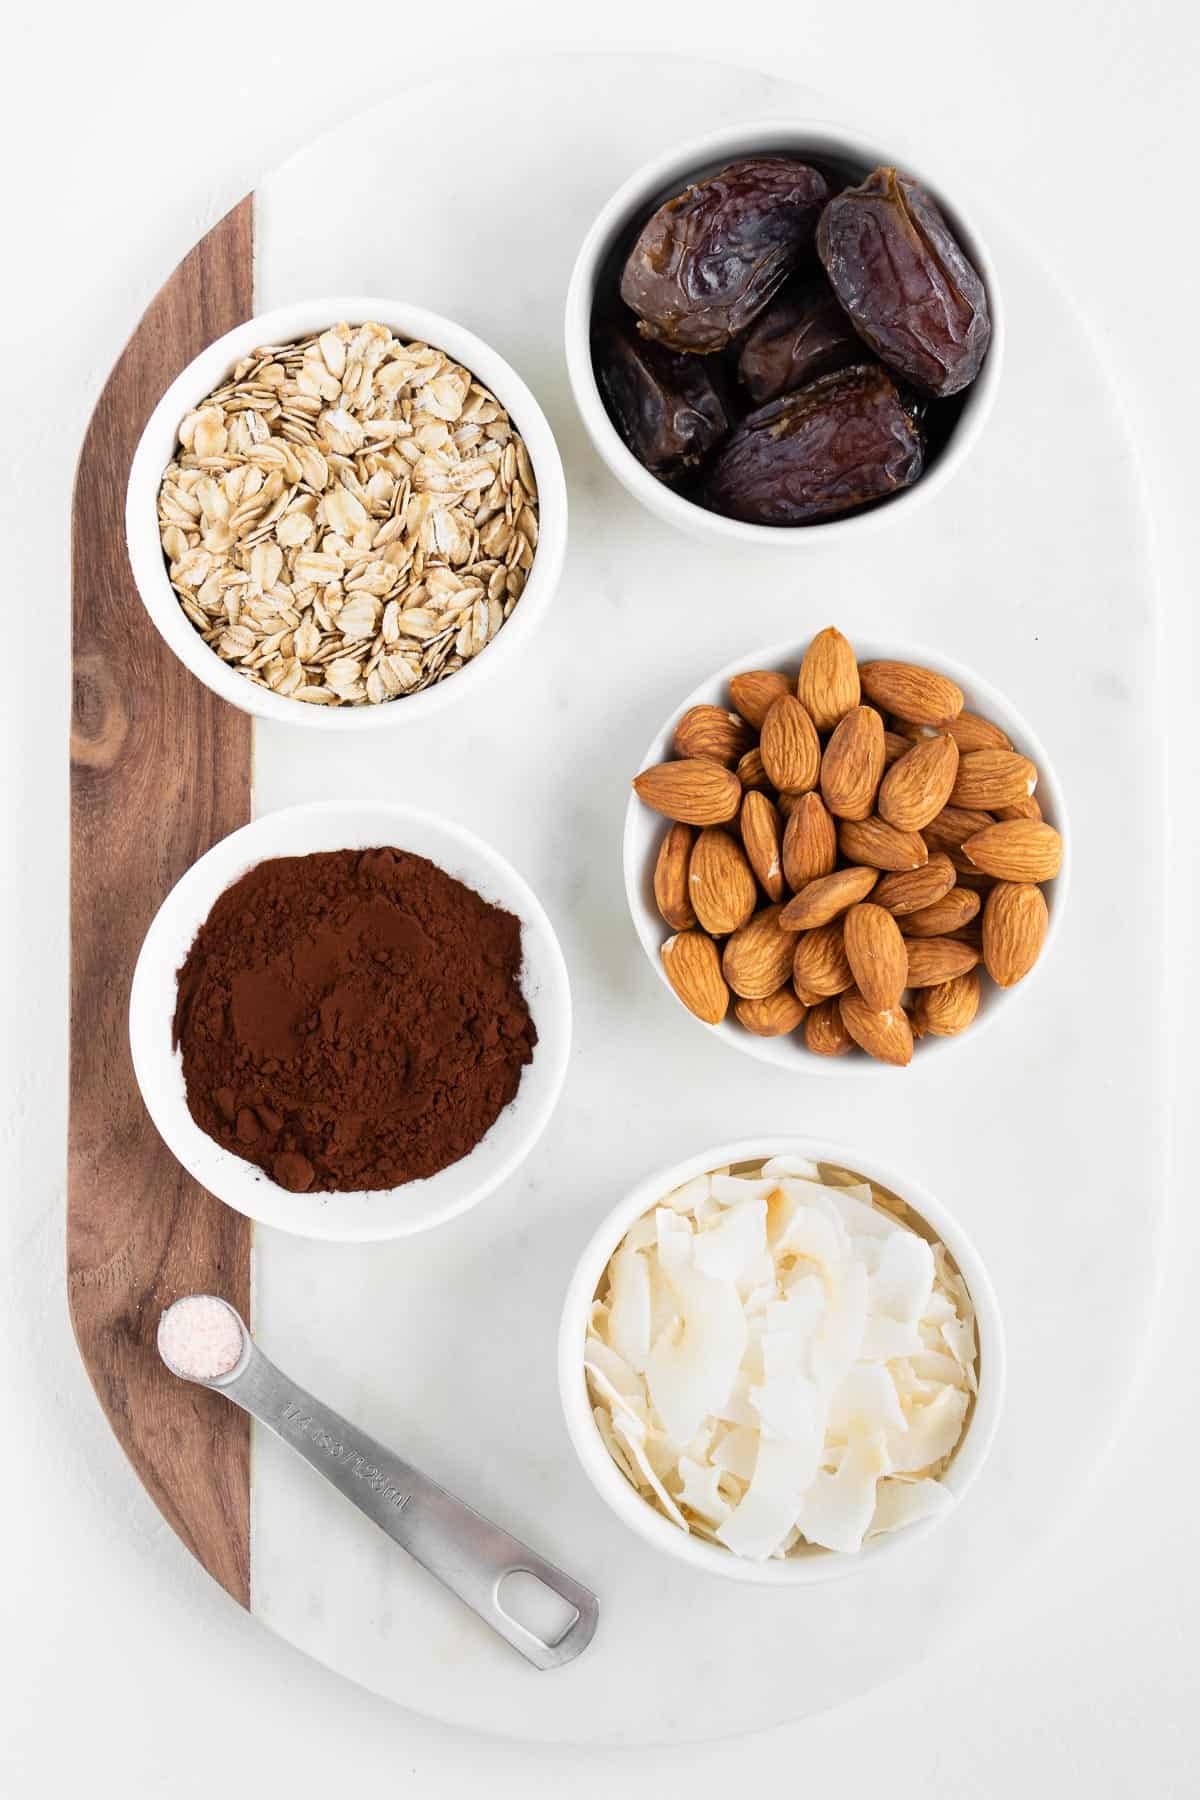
[[1017, 850], [790, 747], [936, 959], [853, 764], [762, 839], [773, 1016], [968, 730], [988, 778], [948, 1008], [894, 747], [758, 958], [721, 884], [828, 685], [887, 1036], [809, 842], [913, 889], [880, 845], [755, 693], [822, 900], [712, 732], [806, 996], [820, 967], [877, 956], [971, 877], [1027, 808], [950, 913], [916, 788], [671, 877], [919, 696], [692, 965], [824, 1032], [1015, 922], [694, 791], [750, 771], [953, 826]]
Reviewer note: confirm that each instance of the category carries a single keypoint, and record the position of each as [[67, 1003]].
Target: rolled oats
[[350, 518]]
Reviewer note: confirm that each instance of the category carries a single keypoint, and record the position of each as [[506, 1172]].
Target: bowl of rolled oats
[[342, 505]]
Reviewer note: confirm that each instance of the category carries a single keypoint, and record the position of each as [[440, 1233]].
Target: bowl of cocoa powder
[[350, 1021]]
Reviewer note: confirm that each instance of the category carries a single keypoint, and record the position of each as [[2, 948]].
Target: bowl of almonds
[[838, 857], [345, 513]]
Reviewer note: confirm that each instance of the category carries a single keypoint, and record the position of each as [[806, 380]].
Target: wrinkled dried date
[[708, 262], [842, 441], [666, 406], [905, 281], [802, 334]]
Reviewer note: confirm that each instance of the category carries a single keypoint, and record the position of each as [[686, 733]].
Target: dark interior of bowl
[[939, 418]]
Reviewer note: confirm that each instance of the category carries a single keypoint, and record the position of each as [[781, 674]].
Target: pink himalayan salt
[[200, 1337]]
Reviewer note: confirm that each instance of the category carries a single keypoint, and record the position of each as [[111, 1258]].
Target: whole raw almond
[[790, 747], [1015, 922], [919, 696], [948, 1008], [692, 964], [880, 845], [950, 913], [916, 788], [721, 884], [805, 995], [953, 826], [824, 1032], [894, 747], [1027, 808], [762, 840], [1016, 850], [773, 1016], [887, 1036], [750, 772], [877, 955], [852, 765], [826, 898], [936, 959], [758, 958], [828, 683], [755, 693], [671, 877], [988, 778], [693, 791], [712, 732], [972, 732], [911, 890], [820, 966], [809, 842]]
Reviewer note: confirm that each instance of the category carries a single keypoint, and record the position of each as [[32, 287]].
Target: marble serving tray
[[1032, 566]]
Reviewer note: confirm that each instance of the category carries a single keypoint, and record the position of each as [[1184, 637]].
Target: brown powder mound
[[352, 1019]]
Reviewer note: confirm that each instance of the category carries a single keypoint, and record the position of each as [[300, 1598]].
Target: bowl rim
[[638, 1513], [284, 324], [651, 929], [840, 136], [241, 1185]]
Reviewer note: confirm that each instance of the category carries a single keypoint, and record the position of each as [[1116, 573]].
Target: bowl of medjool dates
[[780, 332]]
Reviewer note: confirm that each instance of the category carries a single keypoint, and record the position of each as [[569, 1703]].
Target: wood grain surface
[[160, 769]]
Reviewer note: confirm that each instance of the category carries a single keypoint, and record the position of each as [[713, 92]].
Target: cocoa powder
[[352, 1019]]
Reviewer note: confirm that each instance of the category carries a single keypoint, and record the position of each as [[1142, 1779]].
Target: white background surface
[[132, 129]]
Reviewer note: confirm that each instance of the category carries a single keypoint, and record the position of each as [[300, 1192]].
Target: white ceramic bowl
[[352, 1217], [644, 831], [668, 174], [814, 1564], [286, 324]]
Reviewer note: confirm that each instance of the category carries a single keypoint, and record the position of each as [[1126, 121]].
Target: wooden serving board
[[160, 769]]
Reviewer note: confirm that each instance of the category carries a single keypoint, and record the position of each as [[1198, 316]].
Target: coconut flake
[[691, 1368], [629, 1306], [901, 1502], [837, 1509]]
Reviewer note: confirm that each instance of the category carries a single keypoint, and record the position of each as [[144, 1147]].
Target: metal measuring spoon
[[467, 1553]]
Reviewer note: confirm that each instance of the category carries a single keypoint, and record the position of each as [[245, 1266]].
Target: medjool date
[[802, 334], [708, 262], [666, 406], [845, 439], [905, 281]]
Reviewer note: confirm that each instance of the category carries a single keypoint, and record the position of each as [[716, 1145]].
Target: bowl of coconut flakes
[[781, 1362]]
